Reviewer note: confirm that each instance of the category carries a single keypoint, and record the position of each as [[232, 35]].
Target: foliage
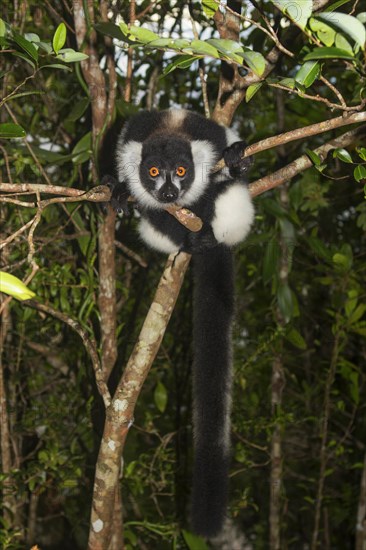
[[313, 319]]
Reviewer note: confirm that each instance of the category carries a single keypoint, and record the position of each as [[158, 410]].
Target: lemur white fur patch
[[203, 155], [128, 164], [231, 136], [234, 214], [154, 239], [176, 118]]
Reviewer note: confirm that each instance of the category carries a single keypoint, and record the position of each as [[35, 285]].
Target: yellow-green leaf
[[59, 38], [9, 284], [161, 396]]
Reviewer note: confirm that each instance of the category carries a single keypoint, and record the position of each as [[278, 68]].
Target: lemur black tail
[[212, 381]]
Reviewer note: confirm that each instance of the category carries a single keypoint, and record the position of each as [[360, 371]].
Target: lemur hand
[[119, 196], [234, 161]]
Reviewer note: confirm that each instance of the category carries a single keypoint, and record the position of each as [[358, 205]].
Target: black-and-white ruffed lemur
[[167, 157]]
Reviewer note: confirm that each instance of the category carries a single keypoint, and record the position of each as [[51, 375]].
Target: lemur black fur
[[166, 157]]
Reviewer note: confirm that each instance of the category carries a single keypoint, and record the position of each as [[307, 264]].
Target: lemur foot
[[237, 165], [119, 196]]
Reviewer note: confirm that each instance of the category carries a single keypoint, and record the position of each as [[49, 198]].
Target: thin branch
[[88, 342], [299, 133], [302, 163], [318, 98]]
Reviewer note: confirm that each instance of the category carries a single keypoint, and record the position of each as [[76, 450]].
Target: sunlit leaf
[[328, 53], [9, 284], [324, 32], [298, 11], [210, 7], [255, 61], [71, 56], [204, 48], [347, 23], [252, 90], [59, 38], [308, 73]]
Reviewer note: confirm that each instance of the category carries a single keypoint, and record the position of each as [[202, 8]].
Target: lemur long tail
[[212, 382]]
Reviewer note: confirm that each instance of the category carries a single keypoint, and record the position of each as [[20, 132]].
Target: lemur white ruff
[[166, 157]]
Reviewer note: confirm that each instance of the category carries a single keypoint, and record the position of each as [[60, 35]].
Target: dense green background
[[311, 324]]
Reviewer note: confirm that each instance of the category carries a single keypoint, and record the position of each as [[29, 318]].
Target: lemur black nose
[[168, 193]]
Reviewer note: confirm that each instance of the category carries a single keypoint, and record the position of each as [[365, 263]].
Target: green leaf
[[255, 62], [226, 46], [308, 73], [351, 302], [57, 66], [27, 46], [210, 7], [288, 83], [347, 23], [2, 28], [142, 34], [361, 151], [343, 155], [341, 260], [78, 110], [160, 396], [68, 55], [270, 260], [298, 11], [14, 287], [357, 314], [160, 43], [342, 43], [296, 339], [193, 541], [8, 130], [324, 32], [252, 90], [354, 387], [285, 301], [83, 149], [314, 157], [202, 47], [180, 44], [59, 38], [180, 62], [328, 53], [319, 248], [359, 173], [110, 29]]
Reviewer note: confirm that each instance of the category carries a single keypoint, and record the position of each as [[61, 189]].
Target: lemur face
[[167, 168]]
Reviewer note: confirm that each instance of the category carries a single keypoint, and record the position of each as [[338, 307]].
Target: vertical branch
[[8, 498], [278, 373], [120, 413], [324, 433], [128, 87], [361, 512], [87, 40], [230, 93]]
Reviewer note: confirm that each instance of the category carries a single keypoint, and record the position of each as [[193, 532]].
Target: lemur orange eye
[[154, 171], [181, 171]]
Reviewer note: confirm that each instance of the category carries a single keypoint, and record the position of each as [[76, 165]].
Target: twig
[[299, 133], [302, 163], [88, 342], [131, 254]]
